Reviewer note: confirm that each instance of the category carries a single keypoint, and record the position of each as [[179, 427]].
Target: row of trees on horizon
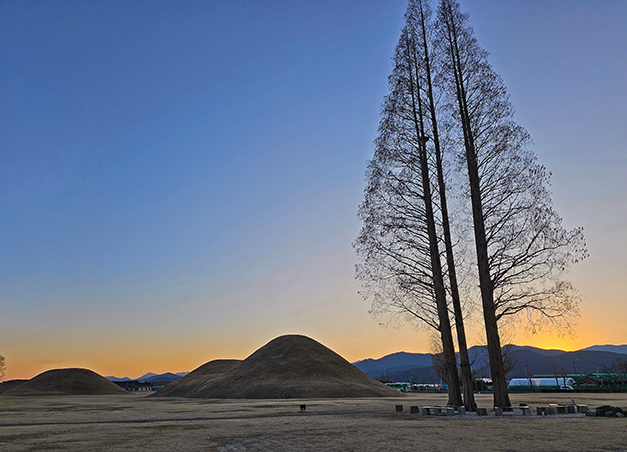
[[456, 207]]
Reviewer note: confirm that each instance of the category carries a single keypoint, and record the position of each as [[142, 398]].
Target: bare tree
[[401, 270], [421, 25], [617, 371], [2, 366], [522, 249]]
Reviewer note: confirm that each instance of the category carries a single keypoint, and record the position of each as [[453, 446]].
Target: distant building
[[135, 386], [601, 382]]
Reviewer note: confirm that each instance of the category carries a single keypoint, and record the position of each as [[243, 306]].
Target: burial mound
[[194, 382], [66, 382], [290, 366], [8, 385]]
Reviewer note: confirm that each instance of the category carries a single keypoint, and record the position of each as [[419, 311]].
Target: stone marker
[[399, 408], [498, 411], [450, 411], [526, 411], [541, 410], [571, 409], [482, 411], [582, 408], [461, 410], [561, 409], [414, 409], [426, 411], [303, 407], [551, 410], [437, 410]]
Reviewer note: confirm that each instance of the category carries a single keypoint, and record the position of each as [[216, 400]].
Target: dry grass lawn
[[134, 422]]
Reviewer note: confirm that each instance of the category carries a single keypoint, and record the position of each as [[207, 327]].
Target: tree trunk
[[466, 373], [448, 346], [501, 396]]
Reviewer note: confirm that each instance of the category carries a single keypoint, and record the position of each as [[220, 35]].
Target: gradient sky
[[179, 181]]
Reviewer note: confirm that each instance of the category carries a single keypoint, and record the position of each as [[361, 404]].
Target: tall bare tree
[[420, 23], [2, 366], [522, 248], [401, 269]]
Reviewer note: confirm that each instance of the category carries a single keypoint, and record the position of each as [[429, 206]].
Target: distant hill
[[582, 361], [416, 367], [401, 366], [290, 366], [540, 351], [66, 382], [394, 362], [112, 378], [151, 377], [168, 376], [608, 348], [162, 378]]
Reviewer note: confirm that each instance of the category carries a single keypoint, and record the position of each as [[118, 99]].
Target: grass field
[[135, 422]]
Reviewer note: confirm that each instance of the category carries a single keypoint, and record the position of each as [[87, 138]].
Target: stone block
[[426, 411], [526, 411], [498, 411], [541, 410], [561, 409], [582, 408], [571, 409], [461, 410], [450, 411], [414, 409], [482, 411], [551, 410], [399, 408]]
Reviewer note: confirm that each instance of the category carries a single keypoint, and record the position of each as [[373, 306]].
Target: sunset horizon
[[181, 181]]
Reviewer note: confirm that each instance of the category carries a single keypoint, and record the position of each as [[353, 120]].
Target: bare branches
[[448, 115], [522, 248]]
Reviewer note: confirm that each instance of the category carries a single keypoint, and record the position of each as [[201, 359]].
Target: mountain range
[[151, 377], [525, 361]]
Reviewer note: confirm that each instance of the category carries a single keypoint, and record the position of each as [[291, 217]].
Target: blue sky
[[190, 171]]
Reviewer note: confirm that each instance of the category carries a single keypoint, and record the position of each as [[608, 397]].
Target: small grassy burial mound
[[193, 384], [8, 385], [66, 382], [287, 367]]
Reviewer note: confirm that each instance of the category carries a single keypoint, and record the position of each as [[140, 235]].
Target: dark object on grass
[[399, 408], [609, 411]]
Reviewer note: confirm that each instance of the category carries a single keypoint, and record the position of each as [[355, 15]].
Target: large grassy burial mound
[[66, 382], [287, 367]]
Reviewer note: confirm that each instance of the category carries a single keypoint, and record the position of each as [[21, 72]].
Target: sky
[[179, 181]]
